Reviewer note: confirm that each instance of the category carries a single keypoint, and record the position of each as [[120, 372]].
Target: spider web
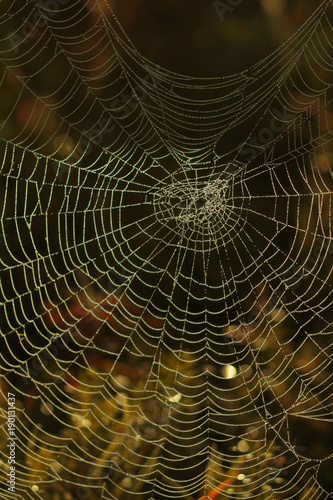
[[166, 261]]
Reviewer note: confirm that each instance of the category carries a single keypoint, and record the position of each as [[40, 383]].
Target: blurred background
[[206, 38], [198, 38]]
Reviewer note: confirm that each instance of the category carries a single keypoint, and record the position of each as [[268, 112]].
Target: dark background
[[187, 37]]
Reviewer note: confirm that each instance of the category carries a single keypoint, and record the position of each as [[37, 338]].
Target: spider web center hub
[[196, 207]]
